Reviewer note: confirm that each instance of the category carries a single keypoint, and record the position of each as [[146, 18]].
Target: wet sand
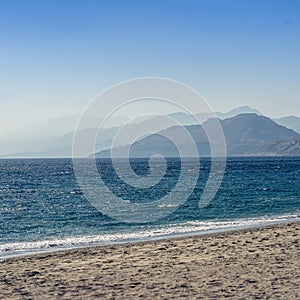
[[259, 263]]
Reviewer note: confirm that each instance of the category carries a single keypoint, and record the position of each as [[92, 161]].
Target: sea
[[42, 206]]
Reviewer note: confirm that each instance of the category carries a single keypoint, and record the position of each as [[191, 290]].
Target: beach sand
[[259, 263]]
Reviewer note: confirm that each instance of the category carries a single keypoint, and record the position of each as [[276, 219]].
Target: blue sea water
[[42, 207]]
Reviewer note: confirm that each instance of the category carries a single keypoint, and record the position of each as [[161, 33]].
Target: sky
[[56, 56]]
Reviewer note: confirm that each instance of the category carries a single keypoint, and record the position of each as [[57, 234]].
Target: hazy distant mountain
[[251, 127], [183, 118], [186, 119], [291, 122], [56, 127], [245, 134], [54, 138], [61, 145], [49, 128], [237, 111]]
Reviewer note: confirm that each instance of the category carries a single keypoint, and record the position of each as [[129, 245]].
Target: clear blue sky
[[55, 56]]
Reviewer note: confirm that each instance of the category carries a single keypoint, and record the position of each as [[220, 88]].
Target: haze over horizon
[[56, 57], [67, 123]]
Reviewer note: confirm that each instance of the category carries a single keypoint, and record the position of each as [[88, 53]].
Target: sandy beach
[[259, 263]]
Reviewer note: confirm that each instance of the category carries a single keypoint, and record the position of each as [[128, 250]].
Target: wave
[[151, 233]]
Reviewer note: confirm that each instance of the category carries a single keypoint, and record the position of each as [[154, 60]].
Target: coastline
[[20, 249], [254, 262]]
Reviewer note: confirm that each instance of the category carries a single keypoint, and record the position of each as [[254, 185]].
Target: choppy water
[[43, 208]]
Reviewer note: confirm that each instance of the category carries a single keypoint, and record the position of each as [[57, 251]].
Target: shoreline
[[253, 262], [178, 235]]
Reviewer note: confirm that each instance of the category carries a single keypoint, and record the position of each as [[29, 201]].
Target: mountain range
[[245, 135], [54, 138]]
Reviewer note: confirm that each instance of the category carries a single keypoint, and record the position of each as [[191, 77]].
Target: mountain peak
[[245, 109]]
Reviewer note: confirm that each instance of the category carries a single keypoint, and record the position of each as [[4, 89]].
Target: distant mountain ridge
[[238, 111], [245, 135], [289, 122], [54, 138], [186, 119]]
